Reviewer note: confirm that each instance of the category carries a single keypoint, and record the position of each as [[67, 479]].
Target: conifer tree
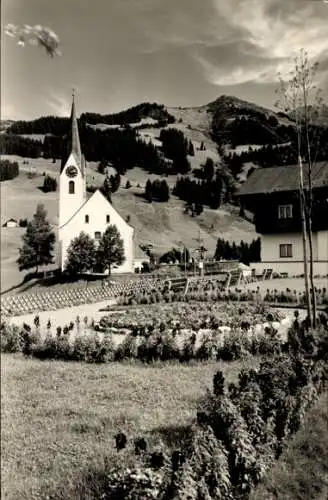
[[164, 191], [149, 191], [191, 151], [107, 189], [38, 242]]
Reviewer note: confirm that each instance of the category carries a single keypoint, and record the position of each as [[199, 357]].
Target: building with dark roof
[[272, 195]]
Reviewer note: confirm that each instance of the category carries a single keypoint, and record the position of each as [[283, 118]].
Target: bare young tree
[[301, 100]]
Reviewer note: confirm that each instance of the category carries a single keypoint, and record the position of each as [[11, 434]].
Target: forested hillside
[[160, 140]]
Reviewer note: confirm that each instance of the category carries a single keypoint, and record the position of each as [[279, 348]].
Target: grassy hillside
[[163, 224]]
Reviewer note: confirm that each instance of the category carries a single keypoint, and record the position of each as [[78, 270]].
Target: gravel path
[[62, 317]]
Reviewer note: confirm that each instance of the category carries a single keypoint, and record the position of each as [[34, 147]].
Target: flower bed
[[168, 332], [193, 316]]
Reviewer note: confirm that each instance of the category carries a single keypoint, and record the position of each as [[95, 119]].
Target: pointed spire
[[74, 142]]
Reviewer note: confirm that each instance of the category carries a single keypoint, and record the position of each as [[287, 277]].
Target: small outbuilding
[[11, 223]]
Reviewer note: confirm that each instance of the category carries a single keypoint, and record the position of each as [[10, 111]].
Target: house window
[[285, 211], [107, 219], [86, 219], [97, 235], [71, 187], [286, 250]]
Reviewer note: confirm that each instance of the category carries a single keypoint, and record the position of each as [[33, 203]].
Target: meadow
[[164, 225], [59, 418]]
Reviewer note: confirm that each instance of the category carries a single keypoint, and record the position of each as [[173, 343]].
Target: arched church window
[[107, 219], [71, 187], [86, 219]]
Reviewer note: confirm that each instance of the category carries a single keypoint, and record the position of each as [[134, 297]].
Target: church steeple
[[73, 145]]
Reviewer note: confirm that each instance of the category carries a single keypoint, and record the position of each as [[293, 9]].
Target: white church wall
[[97, 208], [69, 204]]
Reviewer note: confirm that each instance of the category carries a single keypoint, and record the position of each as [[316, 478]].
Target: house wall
[[97, 207], [270, 247], [291, 268], [323, 245], [270, 257]]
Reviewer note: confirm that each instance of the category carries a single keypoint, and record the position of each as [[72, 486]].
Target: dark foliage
[[38, 242], [140, 446], [270, 155], [49, 184], [44, 125], [157, 190], [175, 255], [211, 193], [8, 170], [243, 252], [120, 441], [16, 145], [131, 115], [176, 147]]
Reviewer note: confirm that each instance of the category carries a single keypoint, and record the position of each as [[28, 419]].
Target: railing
[[56, 299]]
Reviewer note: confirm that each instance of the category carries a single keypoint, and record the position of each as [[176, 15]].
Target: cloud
[[271, 32], [235, 41], [179, 52]]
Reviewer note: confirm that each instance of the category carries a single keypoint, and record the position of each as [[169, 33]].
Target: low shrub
[[240, 431]]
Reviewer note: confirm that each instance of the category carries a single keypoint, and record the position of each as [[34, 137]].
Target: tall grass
[[59, 418], [302, 471]]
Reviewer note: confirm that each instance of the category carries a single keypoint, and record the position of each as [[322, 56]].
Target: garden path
[[62, 317]]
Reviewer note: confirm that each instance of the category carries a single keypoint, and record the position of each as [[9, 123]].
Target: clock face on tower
[[71, 171]]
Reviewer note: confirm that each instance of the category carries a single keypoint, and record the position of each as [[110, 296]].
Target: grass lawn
[[59, 419]]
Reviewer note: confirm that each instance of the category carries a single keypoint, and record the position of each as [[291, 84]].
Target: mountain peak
[[232, 103]]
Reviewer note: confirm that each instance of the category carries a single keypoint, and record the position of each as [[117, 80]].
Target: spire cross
[[73, 93]]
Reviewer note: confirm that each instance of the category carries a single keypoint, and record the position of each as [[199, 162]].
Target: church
[[78, 213]]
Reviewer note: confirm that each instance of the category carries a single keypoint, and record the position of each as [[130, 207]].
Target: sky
[[119, 53]]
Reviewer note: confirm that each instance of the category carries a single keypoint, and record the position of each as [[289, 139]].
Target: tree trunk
[[305, 257], [310, 199], [313, 295]]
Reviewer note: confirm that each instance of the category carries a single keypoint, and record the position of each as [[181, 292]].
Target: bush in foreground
[[241, 430]]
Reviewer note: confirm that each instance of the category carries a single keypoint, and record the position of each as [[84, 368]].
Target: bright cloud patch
[[35, 35]]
